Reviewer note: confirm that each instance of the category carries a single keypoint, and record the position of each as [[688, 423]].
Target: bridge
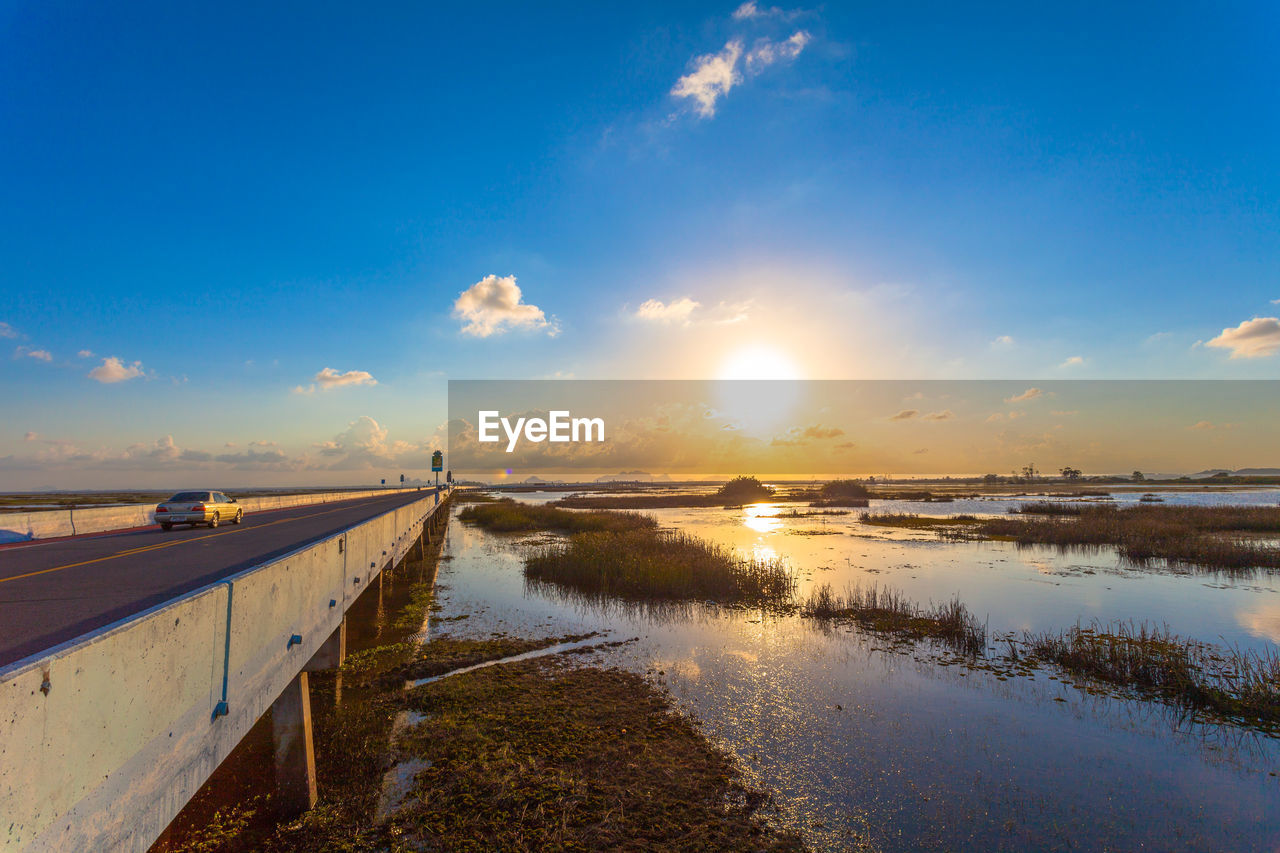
[[133, 661]]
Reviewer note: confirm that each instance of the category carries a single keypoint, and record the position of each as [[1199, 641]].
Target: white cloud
[[764, 53], [7, 331], [1003, 341], [1273, 302], [713, 75], [675, 312], [31, 436], [1256, 338], [1202, 425], [113, 369], [38, 354], [493, 305], [328, 378], [1073, 361], [1029, 394], [85, 353], [751, 11]]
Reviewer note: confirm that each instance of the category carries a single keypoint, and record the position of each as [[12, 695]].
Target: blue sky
[[220, 204]]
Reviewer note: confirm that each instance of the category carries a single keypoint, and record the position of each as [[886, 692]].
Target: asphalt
[[57, 590]]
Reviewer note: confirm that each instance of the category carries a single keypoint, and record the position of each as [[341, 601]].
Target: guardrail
[[105, 738], [50, 523]]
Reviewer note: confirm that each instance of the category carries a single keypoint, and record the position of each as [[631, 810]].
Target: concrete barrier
[[105, 738], [50, 523]]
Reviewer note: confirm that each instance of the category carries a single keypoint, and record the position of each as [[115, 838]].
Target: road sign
[[437, 461]]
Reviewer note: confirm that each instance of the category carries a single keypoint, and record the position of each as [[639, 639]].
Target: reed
[[1196, 674], [888, 611], [1211, 537], [660, 565], [508, 516]]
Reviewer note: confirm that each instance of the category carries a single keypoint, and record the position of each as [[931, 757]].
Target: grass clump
[[888, 611], [508, 516], [1211, 537], [1192, 673], [537, 755], [660, 565], [916, 522]]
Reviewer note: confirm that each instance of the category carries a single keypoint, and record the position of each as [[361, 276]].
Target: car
[[209, 507]]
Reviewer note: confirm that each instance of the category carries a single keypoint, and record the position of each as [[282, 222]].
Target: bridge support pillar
[[295, 756], [332, 653]]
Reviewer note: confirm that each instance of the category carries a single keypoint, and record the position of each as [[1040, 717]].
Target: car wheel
[[239, 516], [214, 521], [166, 526]]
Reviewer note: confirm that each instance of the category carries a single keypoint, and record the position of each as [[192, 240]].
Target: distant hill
[[1239, 472], [634, 477]]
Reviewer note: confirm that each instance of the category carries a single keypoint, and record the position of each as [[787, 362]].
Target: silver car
[[211, 508]]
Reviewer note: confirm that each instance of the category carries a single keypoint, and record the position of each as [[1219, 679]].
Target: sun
[[759, 361]]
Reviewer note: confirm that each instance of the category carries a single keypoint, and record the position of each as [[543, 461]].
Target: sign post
[[437, 465]]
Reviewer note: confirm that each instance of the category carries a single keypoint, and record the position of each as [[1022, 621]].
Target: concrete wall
[[49, 523], [104, 739]]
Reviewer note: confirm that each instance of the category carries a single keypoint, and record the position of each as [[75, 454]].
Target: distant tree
[[844, 489], [1029, 472], [744, 490], [1072, 474], [991, 479], [1138, 476]]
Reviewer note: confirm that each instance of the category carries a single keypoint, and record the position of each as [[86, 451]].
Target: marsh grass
[[541, 755], [1211, 537], [916, 522], [508, 516], [888, 611], [1192, 673], [660, 565]]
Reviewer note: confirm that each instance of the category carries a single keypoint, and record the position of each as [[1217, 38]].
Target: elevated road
[[56, 590]]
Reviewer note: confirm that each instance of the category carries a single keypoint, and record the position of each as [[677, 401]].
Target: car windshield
[[190, 496]]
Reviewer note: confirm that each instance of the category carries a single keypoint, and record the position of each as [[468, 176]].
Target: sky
[[250, 246]]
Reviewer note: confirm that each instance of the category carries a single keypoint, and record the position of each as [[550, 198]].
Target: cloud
[[796, 437], [492, 305], [31, 436], [751, 11], [85, 353], [1273, 302], [1029, 394], [1003, 341], [764, 53], [1202, 425], [7, 331], [328, 378], [38, 354], [1256, 338], [675, 312], [113, 370], [713, 75], [905, 415], [1073, 361], [944, 415], [689, 312]]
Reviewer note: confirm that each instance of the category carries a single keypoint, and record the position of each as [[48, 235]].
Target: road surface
[[57, 590]]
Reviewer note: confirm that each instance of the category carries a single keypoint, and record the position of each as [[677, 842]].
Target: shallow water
[[857, 740]]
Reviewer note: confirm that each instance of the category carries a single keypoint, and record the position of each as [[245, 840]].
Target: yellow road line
[[146, 548]]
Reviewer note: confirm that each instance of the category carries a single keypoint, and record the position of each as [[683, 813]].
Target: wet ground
[[857, 740]]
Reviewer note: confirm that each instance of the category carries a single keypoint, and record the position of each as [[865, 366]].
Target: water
[[860, 741]]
